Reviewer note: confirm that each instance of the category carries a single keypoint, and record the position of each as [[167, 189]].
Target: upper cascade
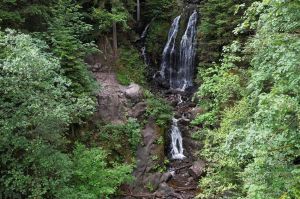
[[168, 57], [182, 78], [177, 65]]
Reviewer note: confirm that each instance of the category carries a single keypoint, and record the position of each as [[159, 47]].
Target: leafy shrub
[[159, 109], [123, 138], [218, 20], [221, 87], [162, 9], [131, 67], [156, 39], [93, 177]]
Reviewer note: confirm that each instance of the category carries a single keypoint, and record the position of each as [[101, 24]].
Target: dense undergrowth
[[251, 124]]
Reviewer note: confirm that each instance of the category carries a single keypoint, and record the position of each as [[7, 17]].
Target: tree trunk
[[138, 10], [115, 39]]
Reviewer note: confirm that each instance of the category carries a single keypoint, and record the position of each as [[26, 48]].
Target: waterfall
[[145, 32], [169, 50], [177, 66], [176, 139], [183, 77], [143, 49]]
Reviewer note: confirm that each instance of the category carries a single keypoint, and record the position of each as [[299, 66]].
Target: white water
[[180, 101], [176, 139], [144, 55], [143, 49], [169, 50], [184, 76], [144, 33]]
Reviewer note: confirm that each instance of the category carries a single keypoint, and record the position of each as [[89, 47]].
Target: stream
[[177, 69]]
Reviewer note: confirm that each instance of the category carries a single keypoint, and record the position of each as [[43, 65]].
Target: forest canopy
[[247, 91]]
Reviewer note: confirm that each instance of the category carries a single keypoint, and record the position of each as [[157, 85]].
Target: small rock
[[196, 111], [166, 177], [164, 189], [153, 179], [190, 180]]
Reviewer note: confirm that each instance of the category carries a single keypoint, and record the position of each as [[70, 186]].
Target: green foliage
[[150, 187], [222, 86], [252, 152], [218, 20], [158, 109], [105, 18], [123, 138], [102, 14], [36, 108], [45, 90], [25, 14], [131, 67], [160, 140], [160, 9], [92, 177], [65, 34], [156, 39]]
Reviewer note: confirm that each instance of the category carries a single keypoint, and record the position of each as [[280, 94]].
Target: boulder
[[165, 189], [167, 192], [197, 169], [133, 92], [166, 177], [138, 110], [112, 103], [145, 172]]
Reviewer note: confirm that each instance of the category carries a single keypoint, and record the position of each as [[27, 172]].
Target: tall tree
[[65, 35], [36, 108], [138, 10], [218, 20], [25, 14]]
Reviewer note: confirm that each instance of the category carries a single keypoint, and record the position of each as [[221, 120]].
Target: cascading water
[[178, 67], [176, 141], [143, 48], [168, 57], [183, 77]]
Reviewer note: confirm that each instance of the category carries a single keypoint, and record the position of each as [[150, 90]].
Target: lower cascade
[[169, 53], [176, 141]]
